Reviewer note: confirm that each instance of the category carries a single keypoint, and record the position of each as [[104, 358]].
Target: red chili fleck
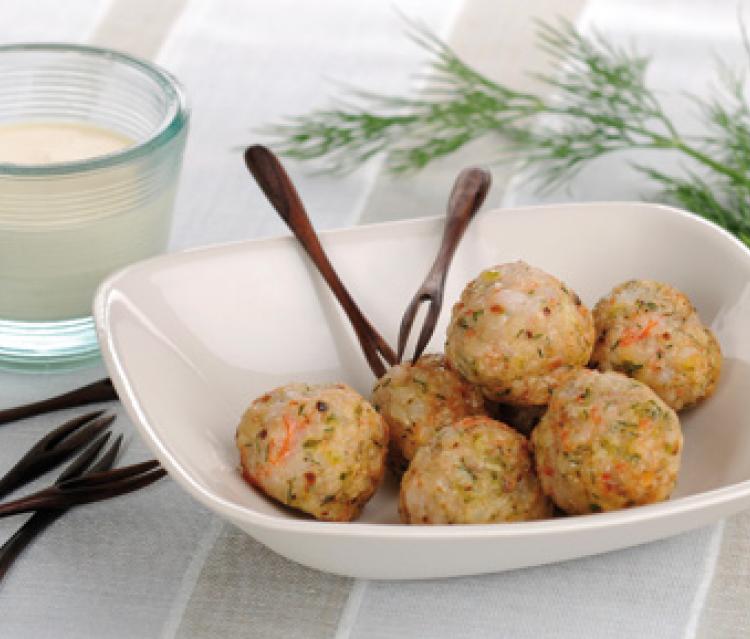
[[310, 478], [497, 308]]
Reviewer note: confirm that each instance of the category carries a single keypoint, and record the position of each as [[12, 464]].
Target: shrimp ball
[[516, 331], [606, 442], [416, 400], [477, 471], [320, 449], [651, 332]]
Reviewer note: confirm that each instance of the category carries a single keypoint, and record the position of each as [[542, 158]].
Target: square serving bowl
[[190, 339]]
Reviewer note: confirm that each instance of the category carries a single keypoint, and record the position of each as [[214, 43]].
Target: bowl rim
[[239, 513]]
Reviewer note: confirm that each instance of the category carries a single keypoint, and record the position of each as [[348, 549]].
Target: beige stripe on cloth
[[726, 614], [138, 27], [245, 590]]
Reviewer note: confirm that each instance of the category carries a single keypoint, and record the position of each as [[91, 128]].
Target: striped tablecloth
[[156, 564]]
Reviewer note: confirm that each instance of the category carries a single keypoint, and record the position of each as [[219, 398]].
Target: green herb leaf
[[629, 368], [600, 104], [422, 384]]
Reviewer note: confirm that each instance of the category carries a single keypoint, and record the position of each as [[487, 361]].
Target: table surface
[[156, 563]]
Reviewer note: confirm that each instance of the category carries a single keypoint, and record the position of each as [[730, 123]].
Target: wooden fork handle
[[278, 188], [469, 191], [100, 391]]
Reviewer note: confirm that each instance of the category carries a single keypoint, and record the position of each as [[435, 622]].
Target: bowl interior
[[192, 338]]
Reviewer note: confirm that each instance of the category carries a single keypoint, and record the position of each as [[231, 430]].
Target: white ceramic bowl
[[191, 338]]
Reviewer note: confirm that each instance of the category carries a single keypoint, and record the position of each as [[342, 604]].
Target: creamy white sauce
[[37, 143]]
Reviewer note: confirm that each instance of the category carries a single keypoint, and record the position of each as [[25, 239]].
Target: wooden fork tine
[[407, 321], [51, 439], [108, 459], [49, 451], [84, 435], [132, 484], [467, 195], [92, 480], [114, 487], [428, 328], [81, 463]]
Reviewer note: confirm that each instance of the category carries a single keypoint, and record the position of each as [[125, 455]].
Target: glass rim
[[174, 121]]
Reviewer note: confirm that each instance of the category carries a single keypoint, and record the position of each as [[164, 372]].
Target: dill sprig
[[597, 103]]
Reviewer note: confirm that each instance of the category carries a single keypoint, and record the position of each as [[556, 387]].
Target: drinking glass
[[65, 226]]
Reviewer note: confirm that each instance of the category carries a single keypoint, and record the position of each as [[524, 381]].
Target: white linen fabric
[[157, 564]]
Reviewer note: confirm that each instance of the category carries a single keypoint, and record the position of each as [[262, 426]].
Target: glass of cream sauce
[[91, 144]]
